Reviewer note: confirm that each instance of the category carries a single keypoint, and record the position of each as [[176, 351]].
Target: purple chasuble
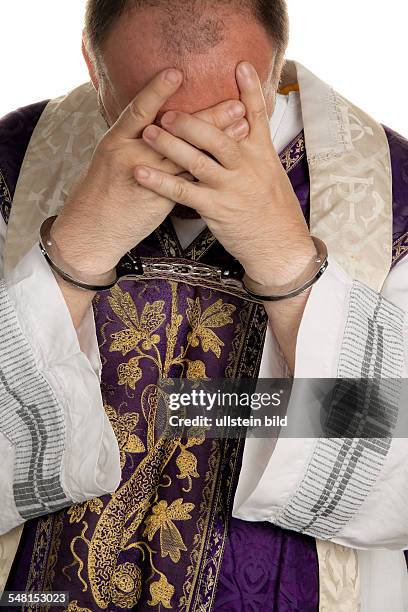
[[166, 538]]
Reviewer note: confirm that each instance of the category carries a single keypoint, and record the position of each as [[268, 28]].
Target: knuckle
[[258, 114], [199, 164], [108, 143], [110, 155], [217, 117], [179, 191], [138, 112]]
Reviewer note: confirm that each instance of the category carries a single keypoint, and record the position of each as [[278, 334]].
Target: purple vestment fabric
[[153, 545]]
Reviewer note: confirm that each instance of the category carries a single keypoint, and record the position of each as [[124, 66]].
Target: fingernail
[[237, 110], [172, 77], [241, 128], [142, 173], [245, 69], [169, 117], [151, 132]]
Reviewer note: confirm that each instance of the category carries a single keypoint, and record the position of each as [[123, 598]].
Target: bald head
[[205, 39]]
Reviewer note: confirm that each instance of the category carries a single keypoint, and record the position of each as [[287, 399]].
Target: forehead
[[143, 43]]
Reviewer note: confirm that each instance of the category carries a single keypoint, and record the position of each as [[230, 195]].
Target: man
[[198, 524]]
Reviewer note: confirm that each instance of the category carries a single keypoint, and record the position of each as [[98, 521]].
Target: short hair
[[101, 16]]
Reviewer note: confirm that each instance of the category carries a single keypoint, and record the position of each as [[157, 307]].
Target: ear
[[90, 63]]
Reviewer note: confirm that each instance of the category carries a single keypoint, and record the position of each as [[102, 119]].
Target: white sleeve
[[58, 444], [352, 491]]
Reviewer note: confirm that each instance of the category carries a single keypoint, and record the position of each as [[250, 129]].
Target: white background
[[358, 46]]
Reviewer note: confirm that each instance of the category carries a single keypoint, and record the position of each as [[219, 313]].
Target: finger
[[145, 106], [182, 153], [222, 115], [238, 131], [137, 151], [252, 96], [174, 188], [204, 136]]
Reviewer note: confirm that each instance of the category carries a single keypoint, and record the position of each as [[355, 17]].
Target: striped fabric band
[[344, 468], [31, 419]]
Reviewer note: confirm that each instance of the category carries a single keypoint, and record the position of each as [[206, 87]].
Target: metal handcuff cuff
[[131, 267]]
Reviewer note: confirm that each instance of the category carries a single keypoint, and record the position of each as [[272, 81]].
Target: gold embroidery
[[196, 370], [162, 518], [400, 248], [126, 585], [293, 154], [76, 512], [125, 511], [161, 592], [77, 559], [172, 331], [74, 607], [5, 198], [151, 319], [130, 373], [187, 464], [202, 324], [124, 425]]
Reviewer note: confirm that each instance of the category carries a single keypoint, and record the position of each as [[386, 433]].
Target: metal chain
[[132, 266]]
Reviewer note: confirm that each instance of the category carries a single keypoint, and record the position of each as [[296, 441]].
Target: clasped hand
[[242, 191]]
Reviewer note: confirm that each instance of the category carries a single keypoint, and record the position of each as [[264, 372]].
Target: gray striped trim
[[31, 419], [343, 470]]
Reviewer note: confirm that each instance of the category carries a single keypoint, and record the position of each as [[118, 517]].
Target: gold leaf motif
[[148, 344], [162, 519], [124, 307], [125, 340], [216, 315], [134, 445], [123, 426], [196, 370], [161, 592], [152, 316], [130, 373], [210, 341], [77, 512], [193, 312], [126, 585]]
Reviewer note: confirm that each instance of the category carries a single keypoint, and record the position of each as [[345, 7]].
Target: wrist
[[88, 282], [281, 269], [79, 251]]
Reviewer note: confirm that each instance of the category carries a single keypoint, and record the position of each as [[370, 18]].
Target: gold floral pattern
[[134, 513], [124, 425], [162, 518], [187, 464], [136, 330], [161, 592], [196, 370], [126, 585], [77, 512], [130, 373], [202, 324]]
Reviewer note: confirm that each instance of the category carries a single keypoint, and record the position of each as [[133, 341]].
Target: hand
[[108, 213], [243, 193]]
